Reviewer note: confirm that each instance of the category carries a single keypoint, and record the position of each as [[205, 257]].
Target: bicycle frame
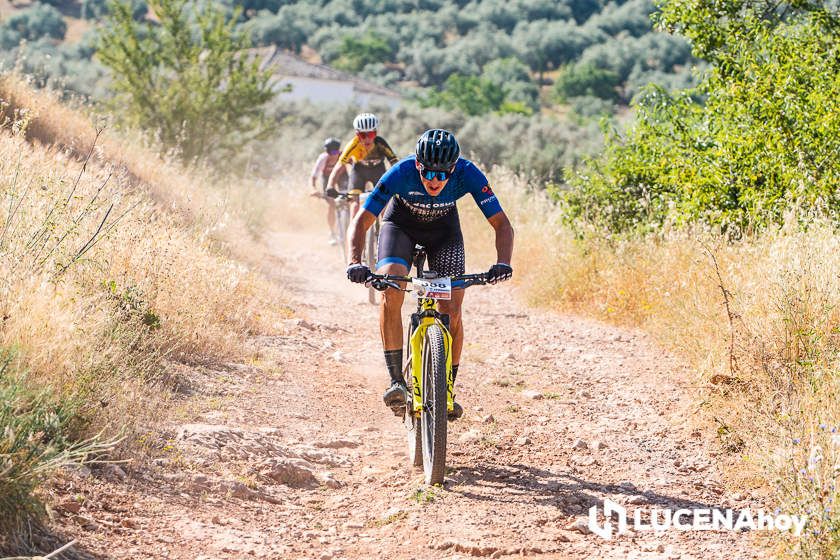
[[430, 365], [427, 314]]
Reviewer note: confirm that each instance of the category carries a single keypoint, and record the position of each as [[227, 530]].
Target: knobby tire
[[434, 416]]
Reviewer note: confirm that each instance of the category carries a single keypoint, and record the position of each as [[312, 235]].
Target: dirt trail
[[295, 456]]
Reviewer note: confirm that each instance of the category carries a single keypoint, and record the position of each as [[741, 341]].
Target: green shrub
[[286, 29], [31, 24], [469, 94], [37, 436], [579, 80], [589, 107], [185, 78], [357, 52], [764, 142]]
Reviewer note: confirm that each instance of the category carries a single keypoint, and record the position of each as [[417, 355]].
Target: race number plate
[[434, 288]]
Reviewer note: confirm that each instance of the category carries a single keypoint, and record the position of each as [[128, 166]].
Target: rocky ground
[[294, 455]]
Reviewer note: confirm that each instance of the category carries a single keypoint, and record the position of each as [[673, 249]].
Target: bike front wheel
[[433, 418]]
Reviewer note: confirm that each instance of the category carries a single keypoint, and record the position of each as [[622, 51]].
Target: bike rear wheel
[[433, 418], [342, 218], [414, 435]]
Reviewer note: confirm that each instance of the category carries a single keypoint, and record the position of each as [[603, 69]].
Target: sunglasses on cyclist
[[430, 174], [370, 134]]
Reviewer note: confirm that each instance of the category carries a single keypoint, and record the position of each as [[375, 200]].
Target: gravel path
[[295, 456]]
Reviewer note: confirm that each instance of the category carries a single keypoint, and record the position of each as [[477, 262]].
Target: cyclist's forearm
[[504, 237], [337, 173], [332, 178]]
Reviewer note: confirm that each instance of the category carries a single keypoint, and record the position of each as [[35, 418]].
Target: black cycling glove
[[358, 273], [499, 273]]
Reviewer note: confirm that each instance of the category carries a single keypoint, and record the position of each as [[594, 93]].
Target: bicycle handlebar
[[383, 281]]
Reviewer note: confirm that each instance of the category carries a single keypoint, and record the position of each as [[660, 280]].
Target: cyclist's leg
[[394, 253], [376, 172], [367, 175], [447, 259]]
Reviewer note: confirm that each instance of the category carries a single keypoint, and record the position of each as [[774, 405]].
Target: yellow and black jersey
[[355, 152]]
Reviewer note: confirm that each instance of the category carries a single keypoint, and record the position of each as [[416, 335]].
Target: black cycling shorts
[[442, 239], [360, 174]]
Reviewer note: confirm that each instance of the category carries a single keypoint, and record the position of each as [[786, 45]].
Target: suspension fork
[[427, 315]]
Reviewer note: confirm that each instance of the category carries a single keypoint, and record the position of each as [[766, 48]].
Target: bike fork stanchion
[[411, 420]]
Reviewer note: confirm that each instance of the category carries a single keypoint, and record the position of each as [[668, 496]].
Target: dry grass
[[113, 265], [65, 287], [759, 320], [192, 196]]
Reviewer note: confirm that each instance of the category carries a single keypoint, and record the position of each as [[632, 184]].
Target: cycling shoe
[[395, 396]]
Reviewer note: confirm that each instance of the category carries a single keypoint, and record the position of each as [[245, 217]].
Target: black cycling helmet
[[331, 144], [437, 150]]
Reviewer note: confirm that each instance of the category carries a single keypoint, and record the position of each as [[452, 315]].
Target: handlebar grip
[[381, 284]]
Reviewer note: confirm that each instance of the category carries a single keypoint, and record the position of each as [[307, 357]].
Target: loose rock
[[289, 471]]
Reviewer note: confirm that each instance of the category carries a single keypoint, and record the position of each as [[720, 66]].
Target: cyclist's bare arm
[[336, 174], [358, 227], [504, 237]]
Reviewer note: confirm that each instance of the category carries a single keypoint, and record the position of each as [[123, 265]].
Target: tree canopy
[[759, 137], [187, 78]]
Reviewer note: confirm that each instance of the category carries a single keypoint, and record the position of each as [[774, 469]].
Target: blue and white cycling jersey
[[402, 182]]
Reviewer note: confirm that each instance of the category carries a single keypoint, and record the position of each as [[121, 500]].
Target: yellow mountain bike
[[428, 370]]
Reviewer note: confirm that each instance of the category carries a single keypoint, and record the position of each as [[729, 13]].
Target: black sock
[[454, 373], [393, 361]]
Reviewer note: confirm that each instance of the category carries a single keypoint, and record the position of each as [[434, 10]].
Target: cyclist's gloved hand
[[331, 192], [499, 273], [358, 273]]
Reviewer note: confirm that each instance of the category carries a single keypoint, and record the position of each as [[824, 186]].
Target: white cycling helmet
[[365, 122]]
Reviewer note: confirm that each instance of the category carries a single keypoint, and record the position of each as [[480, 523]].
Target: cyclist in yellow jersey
[[365, 154]]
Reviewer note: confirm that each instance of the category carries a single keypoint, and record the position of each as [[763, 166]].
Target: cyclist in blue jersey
[[418, 195]]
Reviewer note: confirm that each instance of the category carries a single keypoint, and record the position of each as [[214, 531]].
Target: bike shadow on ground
[[570, 494]]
